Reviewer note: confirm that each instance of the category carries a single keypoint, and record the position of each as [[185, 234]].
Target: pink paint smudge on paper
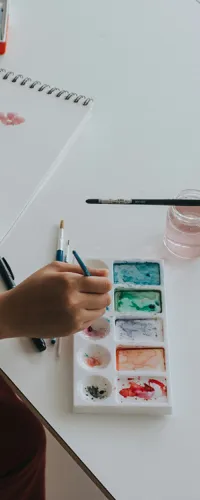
[[11, 119]]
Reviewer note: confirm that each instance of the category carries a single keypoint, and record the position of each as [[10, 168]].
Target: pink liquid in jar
[[182, 235]]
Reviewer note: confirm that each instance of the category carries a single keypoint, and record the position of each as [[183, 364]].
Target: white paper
[[32, 150]]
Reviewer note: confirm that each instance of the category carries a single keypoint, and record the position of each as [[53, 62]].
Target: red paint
[[90, 332], [144, 391], [92, 361], [137, 391], [160, 384]]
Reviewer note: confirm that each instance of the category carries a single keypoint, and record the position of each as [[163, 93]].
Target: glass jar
[[182, 235]]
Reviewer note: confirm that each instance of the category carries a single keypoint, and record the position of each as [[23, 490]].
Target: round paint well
[[94, 356], [96, 388], [96, 264], [99, 329]]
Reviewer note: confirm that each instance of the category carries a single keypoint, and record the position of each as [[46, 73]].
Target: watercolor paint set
[[121, 362]]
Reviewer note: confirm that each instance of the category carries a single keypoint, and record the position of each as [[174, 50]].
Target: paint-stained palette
[[121, 361]]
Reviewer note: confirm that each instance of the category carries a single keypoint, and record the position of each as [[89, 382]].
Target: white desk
[[143, 140]]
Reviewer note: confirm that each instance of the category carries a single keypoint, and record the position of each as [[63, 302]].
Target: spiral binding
[[37, 85]]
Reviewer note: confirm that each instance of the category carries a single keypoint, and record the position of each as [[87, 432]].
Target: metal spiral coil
[[37, 85]]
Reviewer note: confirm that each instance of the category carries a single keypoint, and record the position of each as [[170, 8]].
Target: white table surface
[[141, 62]]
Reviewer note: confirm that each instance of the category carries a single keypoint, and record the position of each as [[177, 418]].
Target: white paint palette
[[121, 362]]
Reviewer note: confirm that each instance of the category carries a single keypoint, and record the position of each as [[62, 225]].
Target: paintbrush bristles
[[62, 224]]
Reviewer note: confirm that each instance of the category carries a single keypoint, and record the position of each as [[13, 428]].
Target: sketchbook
[[38, 124]]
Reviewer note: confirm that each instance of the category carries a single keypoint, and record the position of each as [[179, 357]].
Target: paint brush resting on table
[[169, 202]]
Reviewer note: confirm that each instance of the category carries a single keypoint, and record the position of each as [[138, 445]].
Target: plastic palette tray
[[121, 362]]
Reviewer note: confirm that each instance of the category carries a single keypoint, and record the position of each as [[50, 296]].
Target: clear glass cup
[[182, 235]]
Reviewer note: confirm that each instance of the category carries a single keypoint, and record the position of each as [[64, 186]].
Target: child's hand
[[55, 301]]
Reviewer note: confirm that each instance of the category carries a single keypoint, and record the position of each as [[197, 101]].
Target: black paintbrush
[[174, 202]]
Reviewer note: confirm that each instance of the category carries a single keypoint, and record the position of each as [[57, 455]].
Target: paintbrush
[[60, 257], [174, 202], [66, 259], [81, 264], [67, 252], [83, 267]]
